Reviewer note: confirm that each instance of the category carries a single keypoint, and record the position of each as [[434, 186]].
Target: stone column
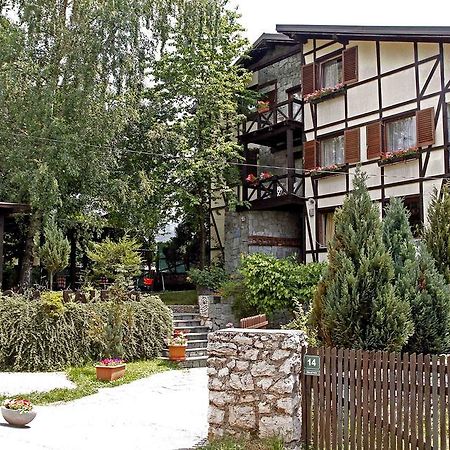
[[254, 383]]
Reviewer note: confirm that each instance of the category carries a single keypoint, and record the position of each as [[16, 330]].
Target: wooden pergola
[[7, 209]]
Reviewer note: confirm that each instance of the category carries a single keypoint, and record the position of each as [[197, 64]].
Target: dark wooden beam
[[2, 232]]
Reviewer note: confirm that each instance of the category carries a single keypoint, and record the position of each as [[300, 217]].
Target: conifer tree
[[55, 252], [437, 232], [355, 304]]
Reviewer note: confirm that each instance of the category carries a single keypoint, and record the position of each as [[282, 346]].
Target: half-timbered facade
[[371, 96]]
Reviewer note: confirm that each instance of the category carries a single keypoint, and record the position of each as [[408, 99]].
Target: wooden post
[[2, 232], [244, 173], [290, 160]]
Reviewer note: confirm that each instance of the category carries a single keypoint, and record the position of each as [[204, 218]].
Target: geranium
[[18, 404], [324, 169], [111, 362], [251, 178], [178, 338], [263, 105], [398, 154], [319, 93], [265, 175]]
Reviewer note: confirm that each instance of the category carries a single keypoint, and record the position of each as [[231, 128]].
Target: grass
[[178, 297], [87, 384], [229, 443]]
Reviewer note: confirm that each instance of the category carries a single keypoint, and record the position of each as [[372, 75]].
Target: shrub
[[33, 338], [271, 284], [209, 278]]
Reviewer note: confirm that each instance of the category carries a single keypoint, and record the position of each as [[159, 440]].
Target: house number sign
[[311, 365]]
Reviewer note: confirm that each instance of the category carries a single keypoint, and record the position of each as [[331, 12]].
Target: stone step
[[193, 329], [184, 309], [190, 362], [187, 323], [184, 316], [199, 343], [193, 336]]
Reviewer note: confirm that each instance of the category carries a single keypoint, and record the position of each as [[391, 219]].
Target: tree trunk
[[50, 280], [28, 254], [202, 238]]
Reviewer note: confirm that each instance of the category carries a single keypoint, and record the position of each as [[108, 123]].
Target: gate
[[374, 400]]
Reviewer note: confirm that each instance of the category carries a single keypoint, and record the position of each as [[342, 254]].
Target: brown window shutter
[[350, 65], [310, 151], [374, 139], [425, 130], [309, 75], [352, 145]]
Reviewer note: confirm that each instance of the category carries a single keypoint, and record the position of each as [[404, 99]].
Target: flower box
[[322, 172], [263, 106], [324, 94], [110, 373], [177, 352], [396, 157]]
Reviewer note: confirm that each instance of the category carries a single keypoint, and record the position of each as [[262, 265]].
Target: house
[[333, 98]]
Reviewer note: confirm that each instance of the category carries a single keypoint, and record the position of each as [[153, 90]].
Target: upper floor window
[[326, 227], [331, 73], [332, 151], [401, 134]]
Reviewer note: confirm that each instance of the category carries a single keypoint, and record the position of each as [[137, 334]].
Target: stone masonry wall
[[240, 225], [254, 383]]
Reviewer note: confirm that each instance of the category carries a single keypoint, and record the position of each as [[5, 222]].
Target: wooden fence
[[375, 400]]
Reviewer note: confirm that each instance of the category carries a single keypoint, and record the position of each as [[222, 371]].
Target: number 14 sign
[[311, 365]]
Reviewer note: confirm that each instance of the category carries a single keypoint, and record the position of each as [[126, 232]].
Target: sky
[[261, 16]]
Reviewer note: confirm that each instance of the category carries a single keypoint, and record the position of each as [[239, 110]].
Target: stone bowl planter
[[16, 418], [110, 373]]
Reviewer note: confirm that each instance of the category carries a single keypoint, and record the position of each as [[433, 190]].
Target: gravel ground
[[166, 411]]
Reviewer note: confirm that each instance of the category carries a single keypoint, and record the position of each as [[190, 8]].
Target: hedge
[[35, 338]]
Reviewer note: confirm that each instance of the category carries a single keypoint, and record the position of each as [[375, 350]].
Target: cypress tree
[[355, 305], [437, 232]]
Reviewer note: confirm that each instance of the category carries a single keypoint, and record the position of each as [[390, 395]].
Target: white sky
[[261, 16]]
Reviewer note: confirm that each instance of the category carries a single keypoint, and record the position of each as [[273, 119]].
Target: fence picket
[[378, 424], [413, 372], [442, 403], [420, 418], [405, 394], [385, 387], [427, 400], [339, 398], [352, 398], [435, 403], [333, 375]]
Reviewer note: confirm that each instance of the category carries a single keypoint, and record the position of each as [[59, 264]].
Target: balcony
[[269, 128], [276, 192]]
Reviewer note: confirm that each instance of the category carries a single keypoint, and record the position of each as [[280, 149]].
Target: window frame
[[336, 58], [327, 137], [321, 237], [385, 123]]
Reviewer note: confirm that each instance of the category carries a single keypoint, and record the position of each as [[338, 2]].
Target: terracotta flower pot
[[110, 373], [16, 418], [177, 352]]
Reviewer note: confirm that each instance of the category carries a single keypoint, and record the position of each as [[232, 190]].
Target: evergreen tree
[[55, 252], [437, 232], [355, 304], [429, 297]]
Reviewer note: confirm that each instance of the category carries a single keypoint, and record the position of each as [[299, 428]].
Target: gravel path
[[166, 411]]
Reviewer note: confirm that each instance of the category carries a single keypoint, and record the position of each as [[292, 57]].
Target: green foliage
[[113, 332], [210, 278], [273, 284], [355, 305], [52, 304], [116, 260], [55, 252], [31, 339], [437, 232], [429, 296], [179, 297], [86, 383], [231, 443]]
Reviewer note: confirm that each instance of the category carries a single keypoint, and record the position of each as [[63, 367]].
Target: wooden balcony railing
[[281, 112], [274, 187]]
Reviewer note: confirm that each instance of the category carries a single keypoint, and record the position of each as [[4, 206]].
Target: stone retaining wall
[[254, 383]]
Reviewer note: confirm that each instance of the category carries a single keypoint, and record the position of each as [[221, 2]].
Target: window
[[412, 204], [326, 227], [448, 121], [401, 134], [331, 73], [332, 151]]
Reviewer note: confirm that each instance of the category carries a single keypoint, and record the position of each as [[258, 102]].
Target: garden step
[[193, 329], [199, 343], [193, 336], [187, 323], [184, 316], [190, 352], [190, 362]]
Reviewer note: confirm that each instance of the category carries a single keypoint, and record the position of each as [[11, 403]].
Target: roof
[[9, 208], [266, 42], [359, 32]]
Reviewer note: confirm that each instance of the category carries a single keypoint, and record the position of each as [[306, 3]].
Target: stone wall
[[241, 227], [254, 383], [216, 312]]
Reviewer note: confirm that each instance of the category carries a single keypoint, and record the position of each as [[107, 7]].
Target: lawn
[[87, 384], [229, 443], [178, 297]]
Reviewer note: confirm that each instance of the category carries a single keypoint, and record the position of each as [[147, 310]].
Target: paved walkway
[[14, 383], [166, 411]]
